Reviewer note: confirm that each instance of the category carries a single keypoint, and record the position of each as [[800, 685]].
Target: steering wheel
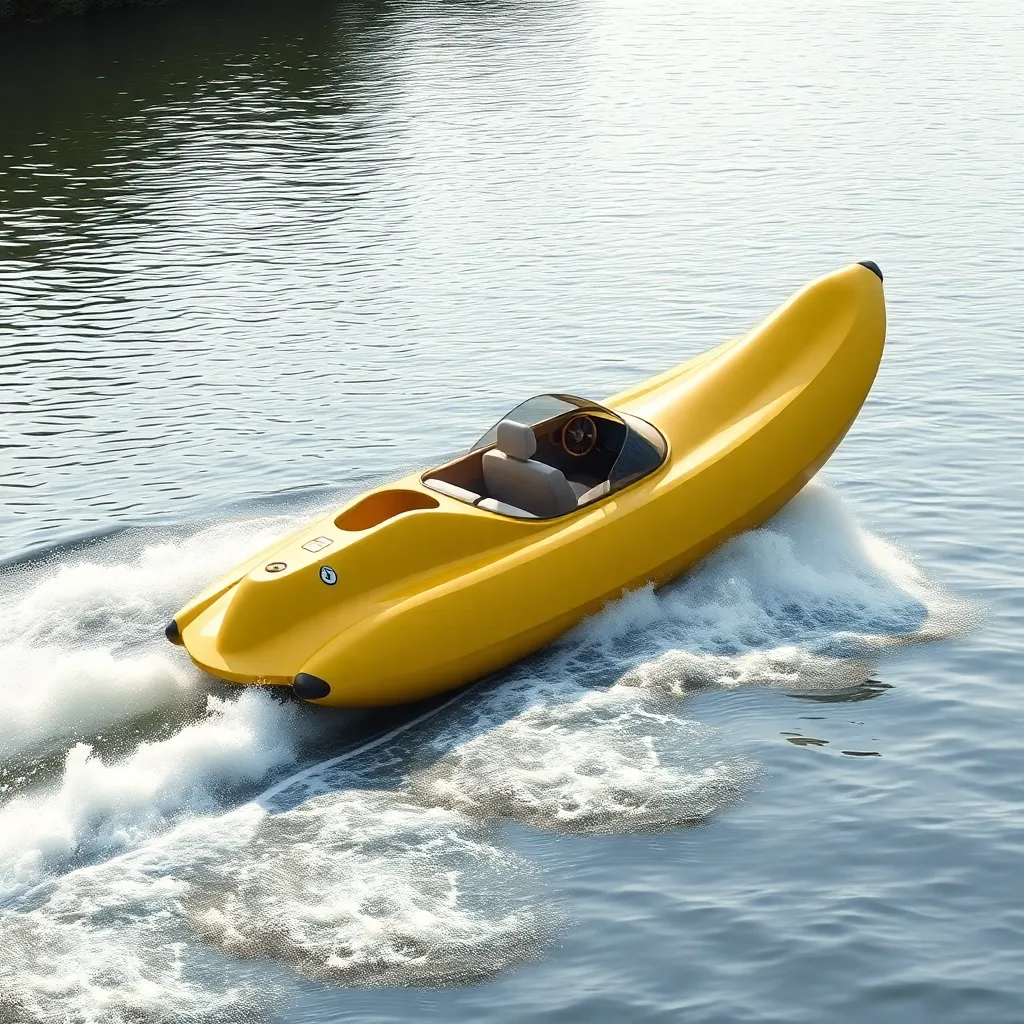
[[579, 436]]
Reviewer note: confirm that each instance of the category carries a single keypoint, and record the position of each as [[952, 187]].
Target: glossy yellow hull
[[442, 593]]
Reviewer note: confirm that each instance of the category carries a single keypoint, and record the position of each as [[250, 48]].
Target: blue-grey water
[[255, 256]]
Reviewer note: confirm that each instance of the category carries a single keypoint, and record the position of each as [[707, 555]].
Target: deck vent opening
[[380, 506]]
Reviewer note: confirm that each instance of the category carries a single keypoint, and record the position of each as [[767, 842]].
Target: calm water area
[[255, 257]]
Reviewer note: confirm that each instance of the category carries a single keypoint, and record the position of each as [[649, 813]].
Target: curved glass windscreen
[[618, 449], [536, 411], [643, 450], [550, 456]]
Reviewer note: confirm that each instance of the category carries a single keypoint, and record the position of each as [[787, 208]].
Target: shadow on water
[[553, 743], [564, 741], [868, 690]]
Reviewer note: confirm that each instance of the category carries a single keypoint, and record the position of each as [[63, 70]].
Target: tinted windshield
[[633, 447], [643, 450], [580, 449], [535, 411]]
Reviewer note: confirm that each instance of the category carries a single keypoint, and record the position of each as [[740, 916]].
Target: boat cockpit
[[550, 456]]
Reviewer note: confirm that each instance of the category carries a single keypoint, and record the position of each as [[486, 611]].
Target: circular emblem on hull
[[276, 567], [328, 575]]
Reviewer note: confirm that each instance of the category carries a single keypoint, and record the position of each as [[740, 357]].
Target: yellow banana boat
[[422, 585]]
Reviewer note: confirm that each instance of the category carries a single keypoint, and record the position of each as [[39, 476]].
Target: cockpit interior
[[550, 456]]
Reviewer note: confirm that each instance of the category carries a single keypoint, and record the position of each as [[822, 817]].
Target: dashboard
[[583, 445]]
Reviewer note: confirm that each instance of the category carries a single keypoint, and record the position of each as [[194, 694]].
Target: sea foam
[[383, 867]]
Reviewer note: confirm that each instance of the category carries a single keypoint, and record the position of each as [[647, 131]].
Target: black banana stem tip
[[873, 267], [310, 687]]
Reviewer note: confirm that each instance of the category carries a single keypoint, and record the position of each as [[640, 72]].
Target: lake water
[[255, 256]]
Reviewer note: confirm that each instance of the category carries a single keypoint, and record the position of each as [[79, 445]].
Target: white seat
[[515, 478], [452, 490], [603, 488], [505, 509]]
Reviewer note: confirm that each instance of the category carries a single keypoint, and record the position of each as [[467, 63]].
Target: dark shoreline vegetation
[[43, 10], [89, 99], [92, 81]]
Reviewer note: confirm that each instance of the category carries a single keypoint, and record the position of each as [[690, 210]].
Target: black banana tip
[[873, 267], [310, 687]]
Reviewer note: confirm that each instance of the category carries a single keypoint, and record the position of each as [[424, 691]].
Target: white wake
[[156, 889]]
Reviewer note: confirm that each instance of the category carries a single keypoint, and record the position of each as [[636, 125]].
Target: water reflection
[[804, 741], [89, 103], [118, 236], [867, 690]]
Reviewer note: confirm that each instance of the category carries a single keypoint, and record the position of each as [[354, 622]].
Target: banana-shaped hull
[[405, 592]]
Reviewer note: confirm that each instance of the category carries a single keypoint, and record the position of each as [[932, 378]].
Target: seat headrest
[[516, 440]]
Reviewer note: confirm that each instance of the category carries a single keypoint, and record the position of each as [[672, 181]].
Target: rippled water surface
[[255, 256]]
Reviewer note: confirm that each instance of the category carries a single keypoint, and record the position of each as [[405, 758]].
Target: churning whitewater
[[138, 854]]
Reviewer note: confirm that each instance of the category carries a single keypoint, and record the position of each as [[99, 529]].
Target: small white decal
[[328, 575], [318, 543]]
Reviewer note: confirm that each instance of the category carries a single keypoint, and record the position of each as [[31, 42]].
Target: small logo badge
[[276, 567], [328, 575]]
